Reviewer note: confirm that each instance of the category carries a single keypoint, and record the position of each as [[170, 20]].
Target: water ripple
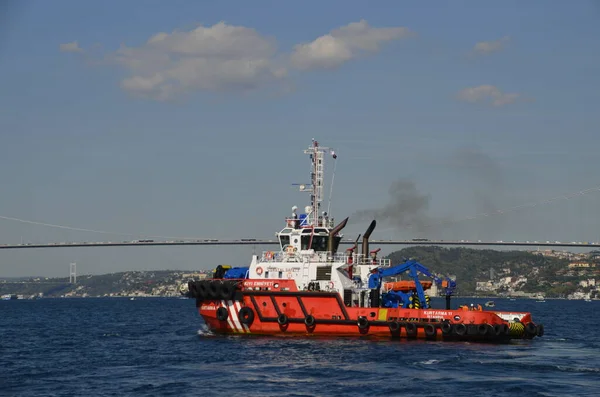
[[150, 347]]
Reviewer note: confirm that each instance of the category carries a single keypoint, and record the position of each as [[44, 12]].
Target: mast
[[317, 177]]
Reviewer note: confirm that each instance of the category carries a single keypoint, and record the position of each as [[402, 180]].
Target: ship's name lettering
[[259, 283], [208, 307], [281, 269], [436, 313]]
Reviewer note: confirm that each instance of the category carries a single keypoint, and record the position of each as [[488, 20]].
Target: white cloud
[[344, 44], [217, 58], [70, 47], [487, 47], [224, 57], [487, 93]]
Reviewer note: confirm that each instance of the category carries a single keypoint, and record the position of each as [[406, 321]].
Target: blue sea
[[160, 347]]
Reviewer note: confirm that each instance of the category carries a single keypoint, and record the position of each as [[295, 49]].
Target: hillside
[[483, 272], [133, 283], [473, 265]]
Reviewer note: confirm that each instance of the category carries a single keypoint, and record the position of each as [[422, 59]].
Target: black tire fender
[[192, 289], [226, 290], [309, 320], [430, 330], [214, 288], [411, 329], [394, 327], [483, 329], [531, 329], [501, 329], [446, 328], [282, 319], [202, 289], [362, 322], [222, 314], [246, 315]]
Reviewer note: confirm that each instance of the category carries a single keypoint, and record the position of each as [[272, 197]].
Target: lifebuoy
[[429, 330], [460, 329], [282, 319], [362, 323], [309, 320], [331, 285], [269, 255], [246, 315], [259, 270], [222, 314]]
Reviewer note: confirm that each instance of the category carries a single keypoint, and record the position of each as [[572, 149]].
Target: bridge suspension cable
[[567, 196], [90, 230]]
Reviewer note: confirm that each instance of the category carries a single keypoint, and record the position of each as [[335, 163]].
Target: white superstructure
[[309, 245]]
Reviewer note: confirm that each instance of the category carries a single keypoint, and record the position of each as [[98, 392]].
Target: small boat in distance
[[540, 298], [490, 304]]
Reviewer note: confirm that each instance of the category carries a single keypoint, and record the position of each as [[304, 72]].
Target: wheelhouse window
[[319, 243], [284, 240]]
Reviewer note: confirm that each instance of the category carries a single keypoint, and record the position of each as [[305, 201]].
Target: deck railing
[[322, 257]]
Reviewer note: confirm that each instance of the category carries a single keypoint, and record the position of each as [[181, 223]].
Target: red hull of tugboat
[[276, 307], [309, 288]]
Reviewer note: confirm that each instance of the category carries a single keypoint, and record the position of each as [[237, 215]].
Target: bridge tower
[[73, 273]]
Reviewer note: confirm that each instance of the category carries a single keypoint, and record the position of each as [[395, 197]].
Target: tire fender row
[[213, 289]]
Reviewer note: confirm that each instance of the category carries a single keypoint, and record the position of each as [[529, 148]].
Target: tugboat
[[309, 287]]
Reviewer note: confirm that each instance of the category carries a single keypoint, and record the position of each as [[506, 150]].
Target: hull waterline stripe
[[238, 308], [229, 321], [234, 315]]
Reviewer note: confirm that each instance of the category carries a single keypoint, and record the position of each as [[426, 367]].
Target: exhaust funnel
[[365, 242]]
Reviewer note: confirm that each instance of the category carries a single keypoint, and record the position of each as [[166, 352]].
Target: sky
[[186, 119]]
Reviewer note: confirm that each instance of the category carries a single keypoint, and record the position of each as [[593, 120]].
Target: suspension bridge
[[177, 241]]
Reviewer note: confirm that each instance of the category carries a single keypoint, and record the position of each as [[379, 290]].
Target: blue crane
[[392, 298]]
